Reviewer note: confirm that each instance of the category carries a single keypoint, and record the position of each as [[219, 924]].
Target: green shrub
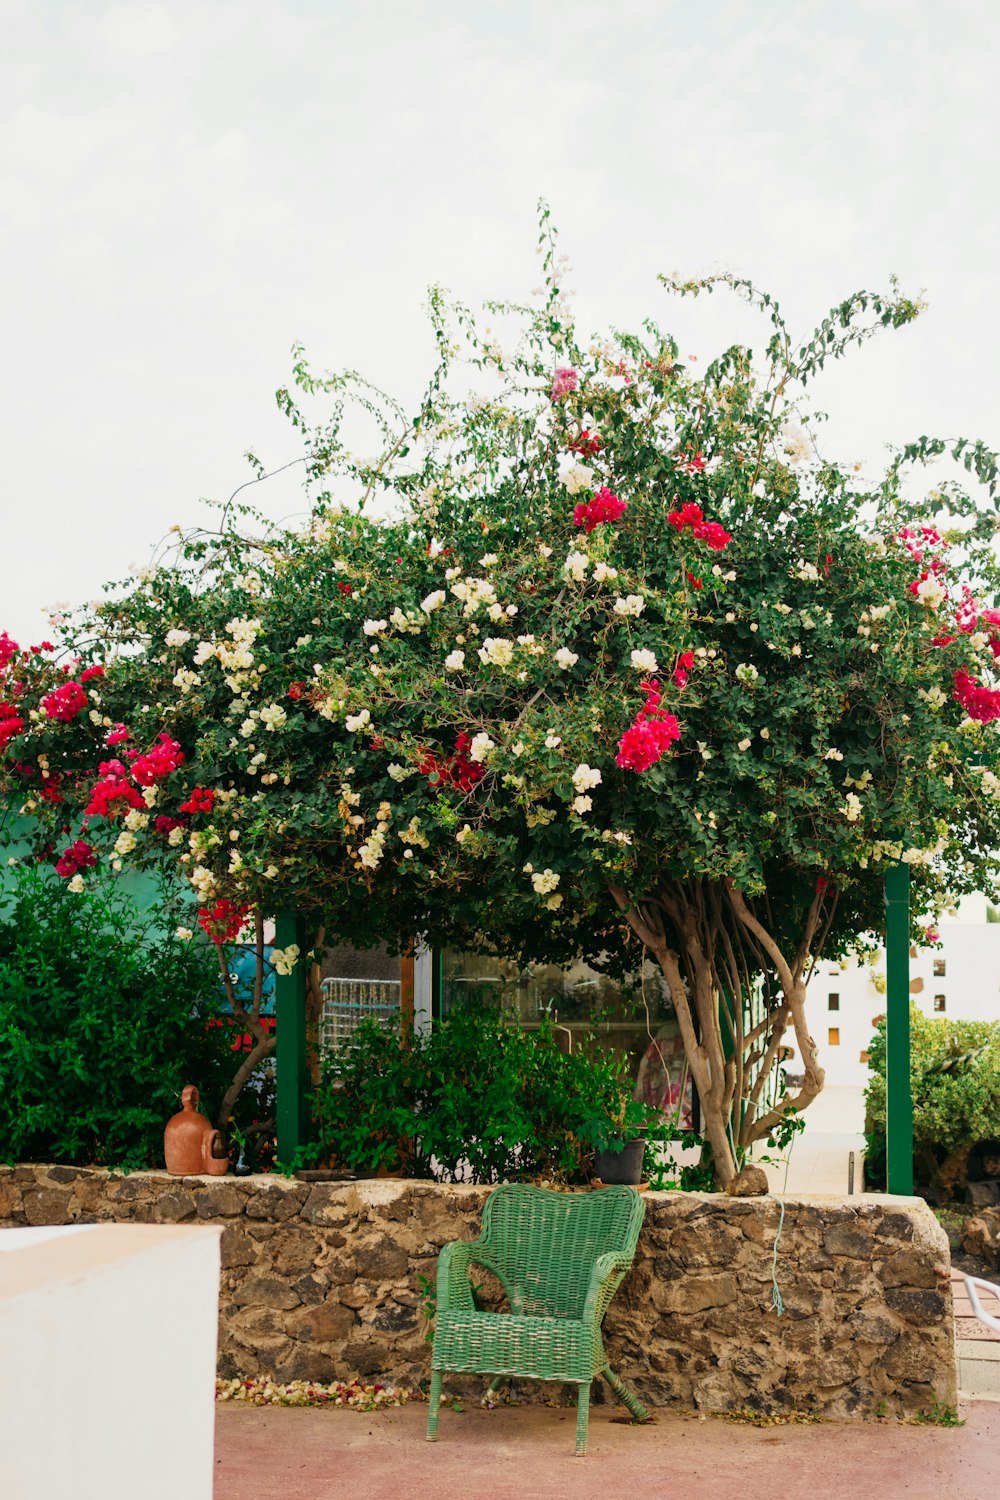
[[102, 1022], [955, 1081], [482, 1099]]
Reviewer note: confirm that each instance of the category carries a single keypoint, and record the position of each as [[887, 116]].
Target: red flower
[[456, 770], [165, 756], [587, 444], [980, 703], [695, 583], [684, 664], [166, 824], [296, 690], [691, 516], [111, 794], [79, 856], [650, 735], [345, 588], [8, 648], [117, 735], [11, 723], [222, 921], [202, 799], [64, 703], [90, 672], [603, 508]]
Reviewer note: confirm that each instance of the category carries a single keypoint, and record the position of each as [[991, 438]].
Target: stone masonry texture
[[328, 1281]]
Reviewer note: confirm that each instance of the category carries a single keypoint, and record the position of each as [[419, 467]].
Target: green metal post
[[293, 1079], [899, 1102]]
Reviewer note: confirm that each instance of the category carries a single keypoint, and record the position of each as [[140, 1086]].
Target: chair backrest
[[546, 1243]]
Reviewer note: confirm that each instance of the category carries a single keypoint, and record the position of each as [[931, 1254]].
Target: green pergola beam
[[899, 1101], [293, 1081]]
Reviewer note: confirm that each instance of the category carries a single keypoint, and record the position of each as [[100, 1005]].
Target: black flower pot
[[625, 1166]]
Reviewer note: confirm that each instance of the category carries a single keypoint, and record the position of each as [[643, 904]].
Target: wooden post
[[292, 1069]]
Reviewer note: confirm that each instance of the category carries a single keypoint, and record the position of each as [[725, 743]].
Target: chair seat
[[508, 1344]]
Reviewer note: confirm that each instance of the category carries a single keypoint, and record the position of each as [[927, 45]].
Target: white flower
[[795, 442], [285, 959], [543, 550], [496, 651], [644, 661], [574, 475], [852, 807], [765, 734], [931, 592], [487, 560], [125, 843], [833, 755], [433, 601], [177, 637], [175, 837], [355, 722], [273, 717], [744, 744], [782, 609], [481, 746], [375, 627], [632, 604], [401, 773], [565, 658], [582, 804], [879, 611], [933, 697], [585, 777], [746, 672], [185, 680], [807, 571], [76, 885], [135, 820], [543, 881], [185, 934], [576, 566], [553, 741], [454, 661], [602, 572], [204, 651]]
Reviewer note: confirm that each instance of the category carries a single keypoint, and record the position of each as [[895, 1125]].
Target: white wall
[[107, 1362], [970, 950]]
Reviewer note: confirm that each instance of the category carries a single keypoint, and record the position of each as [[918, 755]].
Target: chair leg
[[496, 1384], [582, 1413], [434, 1407], [625, 1396]]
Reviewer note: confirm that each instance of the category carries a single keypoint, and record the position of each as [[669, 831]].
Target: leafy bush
[[479, 1100], [955, 1081], [102, 1022]]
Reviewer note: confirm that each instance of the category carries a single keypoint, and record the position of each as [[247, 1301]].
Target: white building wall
[[969, 987]]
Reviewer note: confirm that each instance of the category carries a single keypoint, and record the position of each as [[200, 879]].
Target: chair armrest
[[453, 1286], [605, 1277]]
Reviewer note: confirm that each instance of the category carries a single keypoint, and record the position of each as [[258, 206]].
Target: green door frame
[[291, 1064], [899, 1100]]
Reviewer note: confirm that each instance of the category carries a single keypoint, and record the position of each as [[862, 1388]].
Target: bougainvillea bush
[[599, 656]]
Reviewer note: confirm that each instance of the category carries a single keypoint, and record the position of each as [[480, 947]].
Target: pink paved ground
[[526, 1453]]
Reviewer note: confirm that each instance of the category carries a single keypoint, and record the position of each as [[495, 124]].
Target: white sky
[[188, 186]]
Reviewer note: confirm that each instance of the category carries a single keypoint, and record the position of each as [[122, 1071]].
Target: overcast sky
[[188, 186]]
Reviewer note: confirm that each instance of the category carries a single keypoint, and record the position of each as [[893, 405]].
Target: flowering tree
[[606, 660]]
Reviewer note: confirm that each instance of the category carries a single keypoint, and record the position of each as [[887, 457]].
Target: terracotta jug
[[190, 1143]]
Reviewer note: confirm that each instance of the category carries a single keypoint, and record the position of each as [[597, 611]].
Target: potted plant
[[618, 1137]]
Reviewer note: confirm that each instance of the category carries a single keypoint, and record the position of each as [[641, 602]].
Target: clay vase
[[190, 1143]]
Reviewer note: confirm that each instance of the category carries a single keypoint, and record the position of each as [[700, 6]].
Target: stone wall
[[325, 1281]]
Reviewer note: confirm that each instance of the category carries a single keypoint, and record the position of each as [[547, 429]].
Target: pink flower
[[116, 736], [565, 382], [8, 648], [165, 756], [684, 664], [931, 935]]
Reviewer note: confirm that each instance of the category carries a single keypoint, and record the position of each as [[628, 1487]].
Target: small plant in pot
[[618, 1139]]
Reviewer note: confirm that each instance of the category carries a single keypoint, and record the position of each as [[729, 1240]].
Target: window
[[834, 1002], [939, 1002], [862, 1057], [940, 968], [833, 1036]]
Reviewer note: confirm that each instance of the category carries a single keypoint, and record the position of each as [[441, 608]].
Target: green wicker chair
[[560, 1258]]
